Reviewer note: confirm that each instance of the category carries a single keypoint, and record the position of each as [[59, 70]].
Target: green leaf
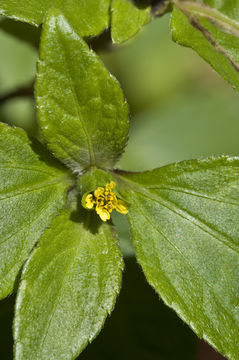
[[88, 18], [68, 287], [212, 31], [127, 19], [82, 112], [31, 193], [122, 228], [142, 327], [184, 220], [229, 8], [92, 179]]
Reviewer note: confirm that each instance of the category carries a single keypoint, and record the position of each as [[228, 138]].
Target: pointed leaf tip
[[82, 111]]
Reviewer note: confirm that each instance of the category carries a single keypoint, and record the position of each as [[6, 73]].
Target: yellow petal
[[99, 191], [110, 206], [122, 207], [89, 201], [110, 196], [99, 209], [104, 215], [110, 186]]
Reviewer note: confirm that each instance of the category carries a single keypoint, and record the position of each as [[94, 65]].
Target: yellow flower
[[89, 201], [105, 201]]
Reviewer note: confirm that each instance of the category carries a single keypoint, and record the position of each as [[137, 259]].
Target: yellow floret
[[89, 201], [99, 191], [105, 201]]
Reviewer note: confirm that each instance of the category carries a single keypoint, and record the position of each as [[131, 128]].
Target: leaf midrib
[[183, 213], [192, 193], [30, 189], [75, 249], [30, 224], [80, 117], [210, 286], [15, 166], [212, 14]]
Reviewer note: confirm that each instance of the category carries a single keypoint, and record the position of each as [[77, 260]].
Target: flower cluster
[[104, 201]]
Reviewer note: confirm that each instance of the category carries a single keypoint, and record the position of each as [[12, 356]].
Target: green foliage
[[127, 20], [211, 31], [63, 260], [31, 192], [69, 286], [87, 18], [91, 179], [135, 330], [82, 112], [189, 211]]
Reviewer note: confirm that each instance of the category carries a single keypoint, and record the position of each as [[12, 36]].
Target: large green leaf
[[68, 287], [82, 112], [212, 29], [127, 19], [31, 194], [87, 17], [184, 220]]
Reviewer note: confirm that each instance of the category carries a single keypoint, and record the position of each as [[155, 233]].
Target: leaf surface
[[141, 326], [82, 112], [31, 194], [88, 17], [127, 19], [68, 287], [184, 220], [212, 29]]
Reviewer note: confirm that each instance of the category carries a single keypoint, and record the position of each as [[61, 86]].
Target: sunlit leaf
[[82, 112], [127, 19], [68, 288], [31, 194], [184, 221], [87, 17], [212, 29]]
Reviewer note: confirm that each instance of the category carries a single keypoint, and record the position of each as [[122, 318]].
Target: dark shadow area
[[158, 6], [145, 3], [21, 92], [102, 42], [23, 31], [141, 327], [44, 154], [206, 352], [6, 320], [90, 220]]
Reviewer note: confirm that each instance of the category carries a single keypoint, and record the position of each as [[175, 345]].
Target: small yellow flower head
[[104, 201]]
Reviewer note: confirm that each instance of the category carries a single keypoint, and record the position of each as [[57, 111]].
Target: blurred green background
[[180, 109]]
